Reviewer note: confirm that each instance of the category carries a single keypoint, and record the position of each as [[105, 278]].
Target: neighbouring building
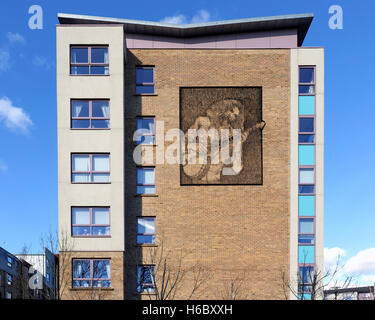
[[10, 275], [27, 276], [353, 293], [45, 266], [128, 89]]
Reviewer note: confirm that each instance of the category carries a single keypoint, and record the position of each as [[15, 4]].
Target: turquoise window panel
[[306, 205], [306, 296], [306, 254], [306, 105], [306, 155]]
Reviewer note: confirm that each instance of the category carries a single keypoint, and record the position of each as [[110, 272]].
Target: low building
[[44, 265], [28, 276], [355, 293], [14, 276]]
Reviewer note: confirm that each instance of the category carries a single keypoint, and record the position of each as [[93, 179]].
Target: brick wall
[[238, 231], [116, 292]]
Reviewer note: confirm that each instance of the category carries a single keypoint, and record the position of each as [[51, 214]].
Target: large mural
[[232, 116]]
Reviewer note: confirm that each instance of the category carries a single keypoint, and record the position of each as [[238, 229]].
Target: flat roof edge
[[301, 22]]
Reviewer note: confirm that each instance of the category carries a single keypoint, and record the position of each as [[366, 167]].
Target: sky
[[28, 133]]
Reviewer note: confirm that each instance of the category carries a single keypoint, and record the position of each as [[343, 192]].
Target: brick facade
[[229, 230], [116, 292]]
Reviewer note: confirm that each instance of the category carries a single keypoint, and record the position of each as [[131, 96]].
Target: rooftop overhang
[[301, 22]]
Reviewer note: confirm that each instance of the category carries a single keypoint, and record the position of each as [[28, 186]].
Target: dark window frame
[[153, 134], [90, 117], [146, 184], [9, 261], [145, 84], [91, 279], [313, 84], [91, 225], [90, 172], [9, 279], [141, 285], [147, 234], [312, 184], [307, 234], [89, 64]]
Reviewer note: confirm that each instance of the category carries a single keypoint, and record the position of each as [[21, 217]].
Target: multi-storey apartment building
[[256, 224], [18, 271], [45, 267]]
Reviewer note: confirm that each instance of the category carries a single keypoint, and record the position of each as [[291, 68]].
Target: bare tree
[[163, 274], [310, 281], [64, 245], [234, 288]]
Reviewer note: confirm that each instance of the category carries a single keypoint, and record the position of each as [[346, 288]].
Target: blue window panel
[[306, 254], [306, 239], [306, 105], [145, 75], [306, 296], [306, 75], [306, 189], [306, 155], [306, 138], [306, 205], [145, 89]]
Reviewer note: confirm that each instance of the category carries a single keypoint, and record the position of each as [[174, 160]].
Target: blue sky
[[28, 143]]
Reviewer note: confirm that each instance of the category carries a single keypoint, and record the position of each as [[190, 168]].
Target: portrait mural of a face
[[234, 110]]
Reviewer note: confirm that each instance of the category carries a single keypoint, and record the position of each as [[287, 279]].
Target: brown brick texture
[[234, 231]]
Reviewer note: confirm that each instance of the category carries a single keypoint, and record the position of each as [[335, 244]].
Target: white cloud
[[3, 166], [15, 38], [369, 279], [177, 19], [13, 117], [4, 59], [363, 263], [199, 17], [360, 268], [332, 257]]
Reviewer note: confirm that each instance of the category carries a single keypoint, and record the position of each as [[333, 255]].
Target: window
[[306, 181], [145, 133], [306, 239], [306, 175], [306, 80], [8, 295], [9, 279], [306, 138], [90, 114], [144, 80], [90, 168], [306, 274], [91, 273], [9, 262], [306, 231], [90, 222], [306, 125], [146, 180], [145, 279], [146, 230], [306, 130], [89, 60], [306, 225]]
